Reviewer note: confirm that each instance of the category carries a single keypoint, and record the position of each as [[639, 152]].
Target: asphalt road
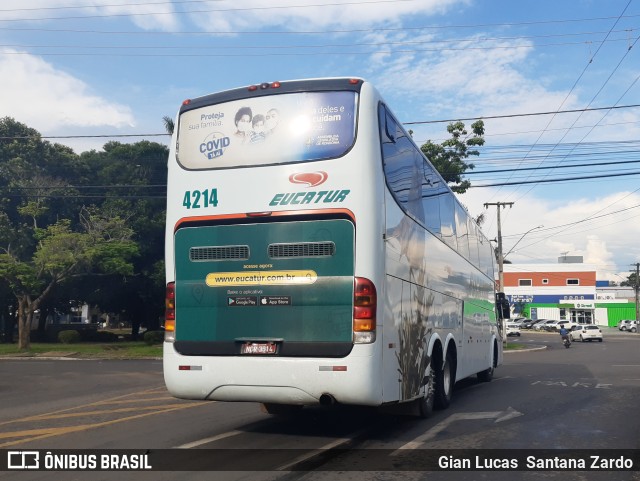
[[582, 398]]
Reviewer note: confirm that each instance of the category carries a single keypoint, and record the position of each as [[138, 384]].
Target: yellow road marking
[[138, 400], [102, 411], [47, 433], [96, 403]]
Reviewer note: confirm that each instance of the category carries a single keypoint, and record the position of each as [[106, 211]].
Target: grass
[[87, 350]]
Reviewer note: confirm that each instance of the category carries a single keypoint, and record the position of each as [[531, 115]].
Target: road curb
[[528, 349], [49, 358]]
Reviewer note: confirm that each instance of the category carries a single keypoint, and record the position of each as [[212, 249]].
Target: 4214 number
[[195, 199]]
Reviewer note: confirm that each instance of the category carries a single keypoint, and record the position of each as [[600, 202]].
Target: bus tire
[[487, 374], [426, 402], [444, 381]]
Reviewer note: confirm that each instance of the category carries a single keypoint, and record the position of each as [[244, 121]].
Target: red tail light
[[170, 302], [364, 305], [170, 313]]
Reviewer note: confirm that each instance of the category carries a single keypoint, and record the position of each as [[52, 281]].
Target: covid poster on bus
[[273, 129]]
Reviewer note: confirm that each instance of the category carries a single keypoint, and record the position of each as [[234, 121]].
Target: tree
[[631, 281], [142, 167], [169, 124], [60, 255], [449, 157]]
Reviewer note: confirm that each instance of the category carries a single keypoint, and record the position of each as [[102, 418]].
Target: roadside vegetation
[[86, 350]]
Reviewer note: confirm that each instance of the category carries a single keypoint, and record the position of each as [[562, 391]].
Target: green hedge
[[69, 337], [154, 337]]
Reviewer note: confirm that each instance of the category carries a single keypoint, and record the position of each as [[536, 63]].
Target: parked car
[[537, 323], [585, 332], [527, 323], [517, 320], [512, 329], [557, 325], [542, 326], [628, 325]]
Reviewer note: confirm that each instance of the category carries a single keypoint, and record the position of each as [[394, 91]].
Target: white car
[[512, 329], [627, 325], [556, 325], [585, 332], [543, 326]]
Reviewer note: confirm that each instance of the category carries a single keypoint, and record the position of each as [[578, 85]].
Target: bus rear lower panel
[[264, 312]]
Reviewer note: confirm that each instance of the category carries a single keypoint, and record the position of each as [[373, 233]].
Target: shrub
[[69, 337], [100, 336], [154, 337]]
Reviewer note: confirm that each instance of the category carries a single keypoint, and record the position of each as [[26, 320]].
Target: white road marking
[[499, 416], [209, 440], [315, 452]]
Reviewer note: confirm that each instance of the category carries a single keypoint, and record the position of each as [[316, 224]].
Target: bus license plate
[[258, 348]]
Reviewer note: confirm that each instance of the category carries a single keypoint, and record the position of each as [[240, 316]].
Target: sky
[[556, 83]]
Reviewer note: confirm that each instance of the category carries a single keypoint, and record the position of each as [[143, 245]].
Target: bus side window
[[401, 166], [448, 219], [473, 241], [432, 189], [462, 231], [387, 126], [390, 127]]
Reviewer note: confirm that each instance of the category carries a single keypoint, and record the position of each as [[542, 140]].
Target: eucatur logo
[[310, 179]]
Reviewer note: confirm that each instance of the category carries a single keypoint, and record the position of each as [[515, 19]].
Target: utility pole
[[500, 256]]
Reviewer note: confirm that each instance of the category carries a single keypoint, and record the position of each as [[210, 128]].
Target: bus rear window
[[273, 129]]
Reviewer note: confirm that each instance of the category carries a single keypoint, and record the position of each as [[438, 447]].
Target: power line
[[289, 54], [29, 137], [577, 81], [218, 10], [485, 117], [475, 172], [322, 32], [79, 7], [131, 186], [371, 44], [546, 181], [508, 116]]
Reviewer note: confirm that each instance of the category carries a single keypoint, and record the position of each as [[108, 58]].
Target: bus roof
[[274, 88]]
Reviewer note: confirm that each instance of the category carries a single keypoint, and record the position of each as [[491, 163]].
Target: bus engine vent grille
[[218, 253], [302, 249]]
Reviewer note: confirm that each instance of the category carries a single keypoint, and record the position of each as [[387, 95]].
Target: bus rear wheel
[[487, 374], [444, 381]]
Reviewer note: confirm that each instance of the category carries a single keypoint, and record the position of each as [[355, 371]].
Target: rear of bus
[[268, 298]]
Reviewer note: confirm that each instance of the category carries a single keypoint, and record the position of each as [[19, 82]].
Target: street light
[[523, 235]]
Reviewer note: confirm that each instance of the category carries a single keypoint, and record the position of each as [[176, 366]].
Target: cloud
[[257, 15], [153, 16], [600, 229], [36, 93]]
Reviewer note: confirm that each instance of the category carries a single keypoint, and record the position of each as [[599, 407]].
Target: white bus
[[315, 256]]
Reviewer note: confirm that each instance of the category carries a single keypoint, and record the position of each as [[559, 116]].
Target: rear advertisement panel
[[265, 130]]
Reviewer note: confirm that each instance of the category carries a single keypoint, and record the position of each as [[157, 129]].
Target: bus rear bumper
[[278, 380]]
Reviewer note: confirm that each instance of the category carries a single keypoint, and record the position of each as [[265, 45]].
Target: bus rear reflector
[[170, 313], [364, 310]]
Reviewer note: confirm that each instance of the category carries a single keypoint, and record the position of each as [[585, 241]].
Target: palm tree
[[168, 124]]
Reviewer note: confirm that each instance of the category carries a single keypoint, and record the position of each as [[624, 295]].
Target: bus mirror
[[502, 306]]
